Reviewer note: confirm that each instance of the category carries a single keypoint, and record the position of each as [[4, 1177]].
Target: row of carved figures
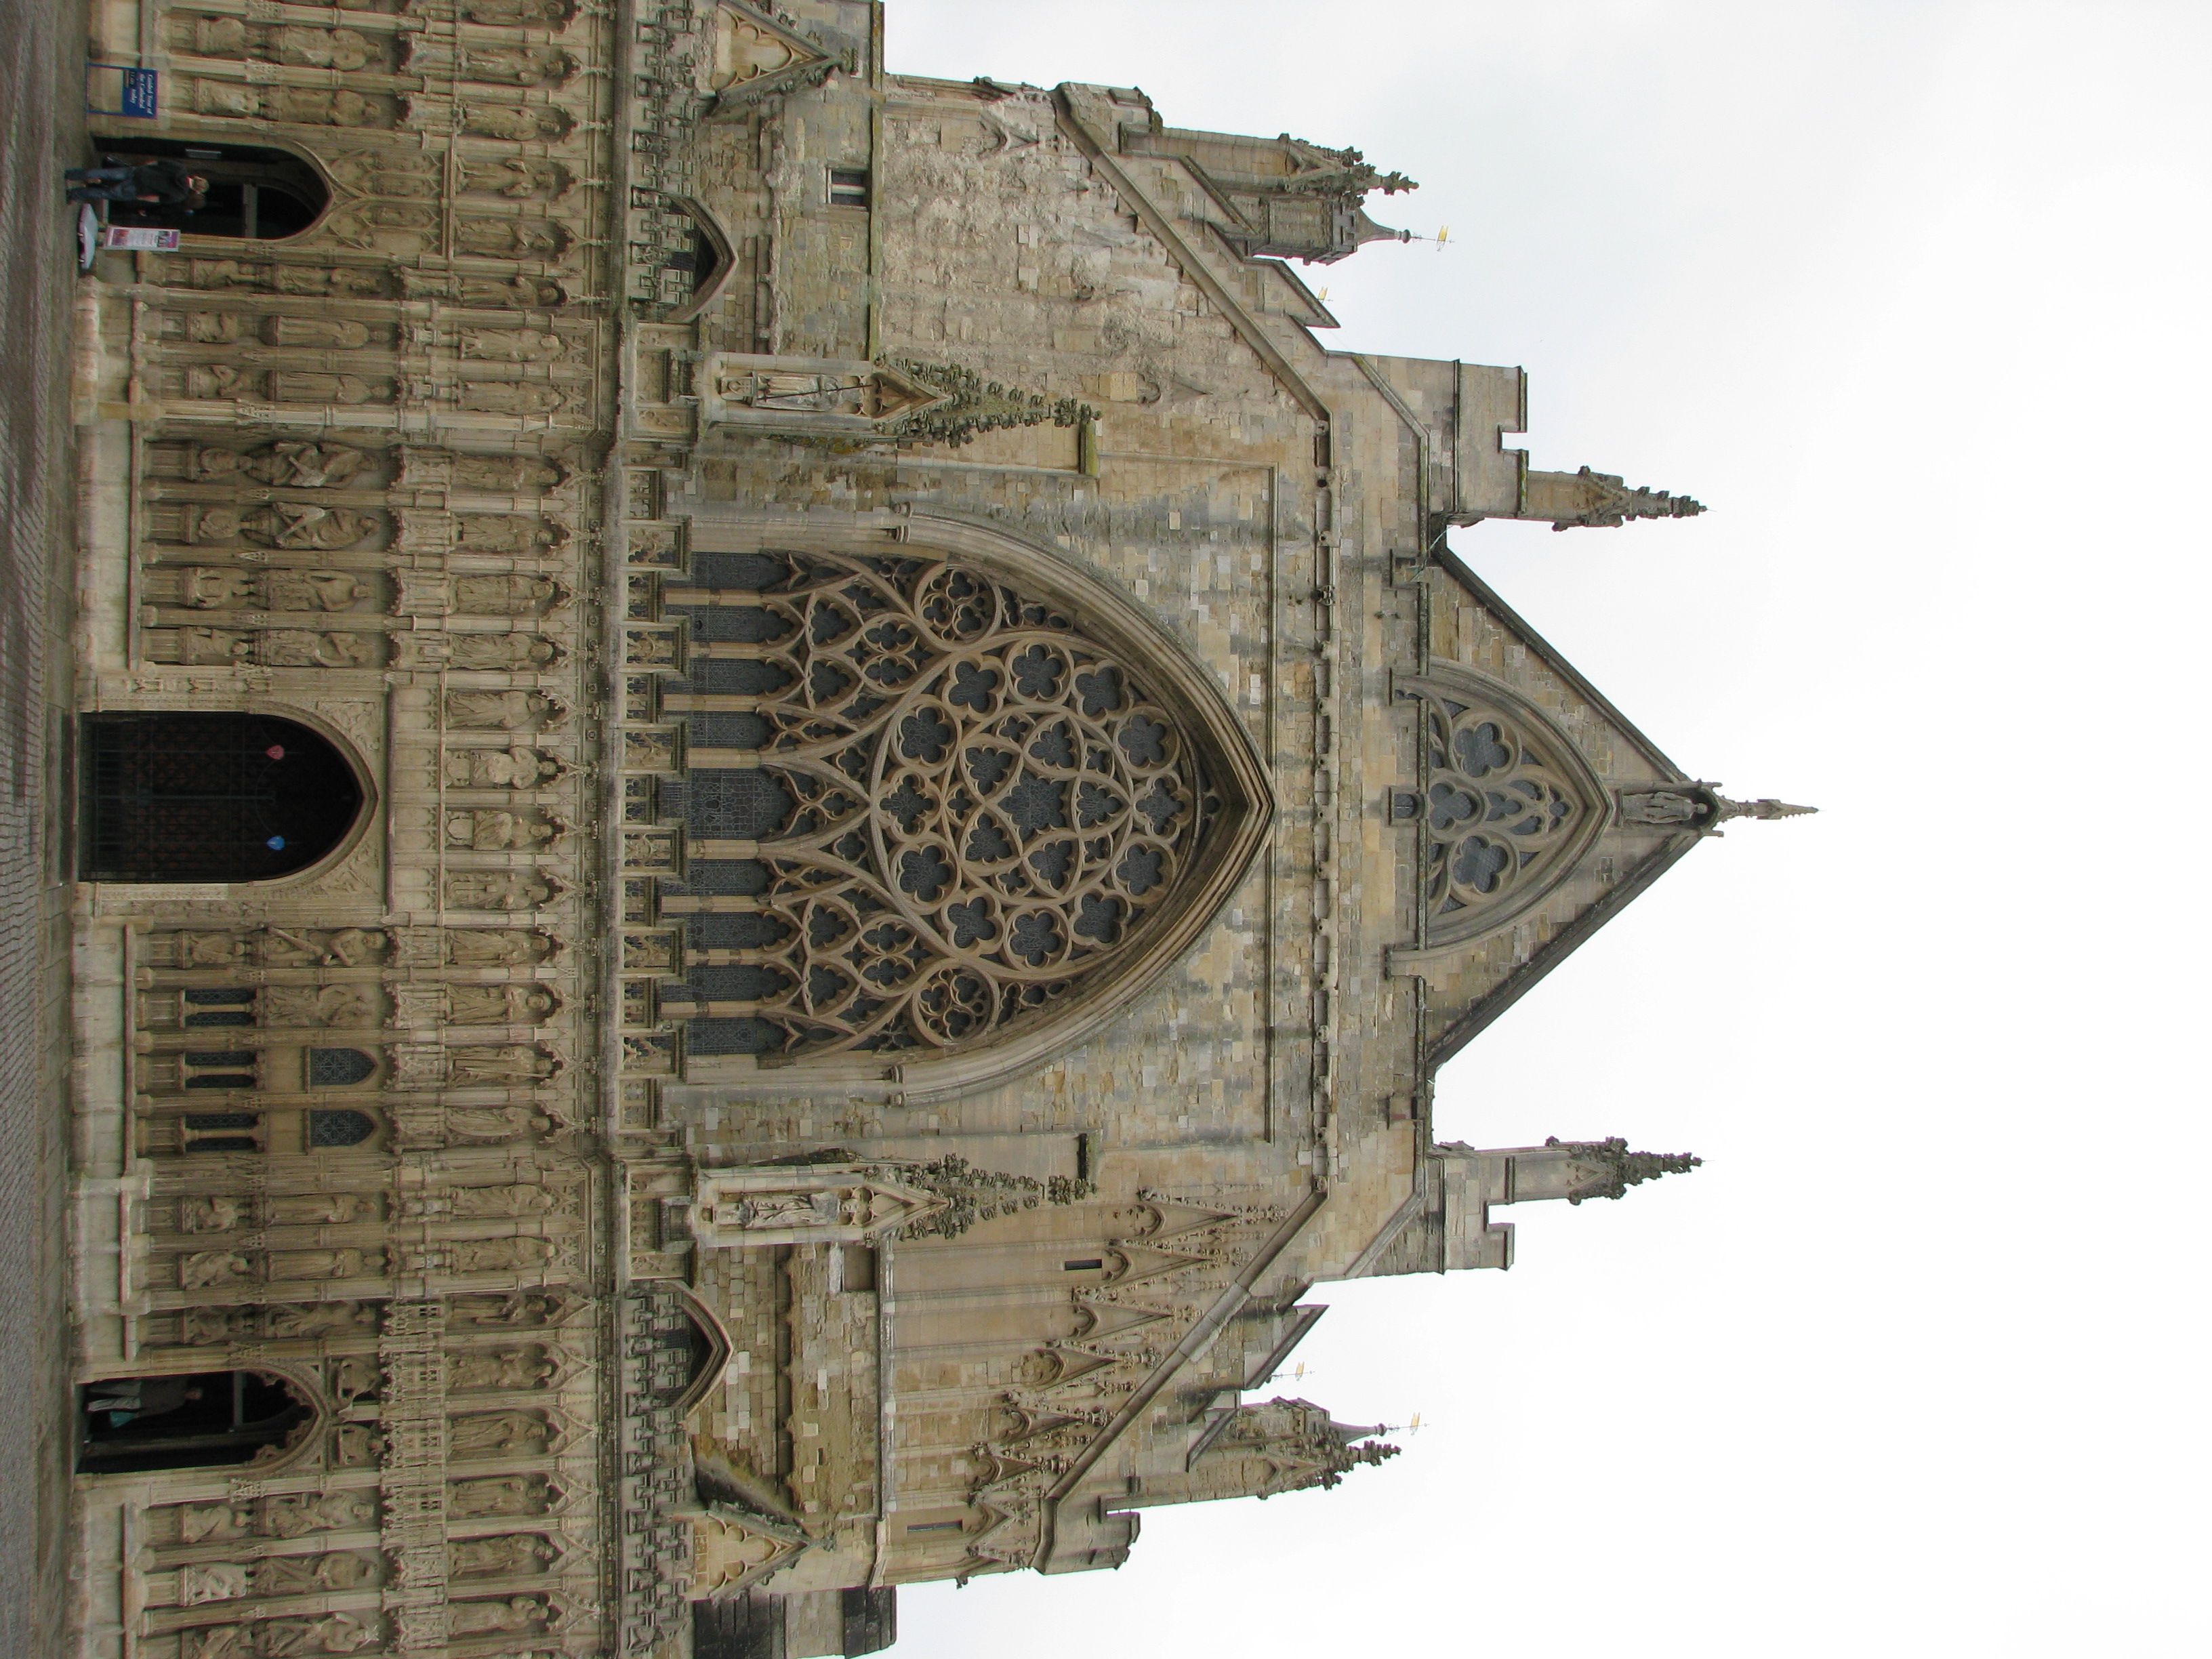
[[292, 331], [375, 49], [297, 464]]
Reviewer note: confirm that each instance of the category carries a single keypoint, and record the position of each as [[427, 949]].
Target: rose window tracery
[[1495, 811], [960, 805]]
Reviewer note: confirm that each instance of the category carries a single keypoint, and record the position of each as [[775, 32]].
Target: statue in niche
[[225, 98], [216, 327], [284, 465], [519, 177], [503, 711], [494, 1126], [308, 282], [517, 1612], [512, 345], [506, 596], [354, 1445], [360, 225], [287, 387], [283, 947], [498, 1495], [502, 769], [318, 1005], [308, 106], [282, 1638], [223, 328], [319, 1209], [497, 1434], [518, 123], [297, 647], [501, 651], [496, 1255], [512, 398], [509, 1555], [486, 830], [507, 1065], [312, 1512], [505, 472], [502, 1367], [206, 1270], [293, 44], [216, 587], [518, 293], [213, 1581], [501, 1005], [321, 1319], [808, 394], [499, 947], [508, 1202], [356, 1376], [499, 890], [516, 66], [509, 239], [518, 14], [310, 1575], [298, 523], [213, 1523], [207, 647], [326, 1264], [517, 1309], [214, 1212]]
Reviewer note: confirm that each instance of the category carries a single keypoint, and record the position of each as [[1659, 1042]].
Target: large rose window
[[961, 806]]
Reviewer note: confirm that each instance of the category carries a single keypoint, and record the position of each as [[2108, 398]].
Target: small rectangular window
[[849, 187], [932, 1526], [1088, 1265]]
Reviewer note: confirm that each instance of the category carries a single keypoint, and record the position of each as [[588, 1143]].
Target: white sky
[[1913, 295]]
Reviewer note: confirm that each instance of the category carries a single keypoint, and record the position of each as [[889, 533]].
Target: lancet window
[[923, 806]]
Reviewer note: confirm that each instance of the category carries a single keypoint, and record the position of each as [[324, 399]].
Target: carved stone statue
[[315, 590], [321, 1319], [297, 647], [310, 1575], [512, 345], [503, 711], [517, 14], [513, 122], [213, 1523], [506, 472], [506, 596], [298, 1515], [496, 1256], [493, 1126], [283, 947], [509, 1555], [519, 177], [318, 1004], [513, 397], [503, 1066], [319, 1265], [203, 1270], [222, 1580], [516, 66], [520, 293], [284, 465], [502, 769], [499, 889], [205, 587], [319, 1209], [509, 239], [501, 651], [498, 947], [515, 1309], [286, 1638], [501, 1005], [488, 829], [497, 1434], [299, 523], [503, 1368], [517, 1612], [507, 1202], [497, 1495], [217, 1212], [289, 386], [315, 281]]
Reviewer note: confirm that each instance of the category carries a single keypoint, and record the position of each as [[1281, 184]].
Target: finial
[[1614, 1169], [1765, 808]]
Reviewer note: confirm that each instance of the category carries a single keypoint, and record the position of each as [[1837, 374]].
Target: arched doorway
[[174, 796], [254, 193], [201, 1420]]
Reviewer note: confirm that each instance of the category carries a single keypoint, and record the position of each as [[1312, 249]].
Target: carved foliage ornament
[[973, 808], [1500, 810]]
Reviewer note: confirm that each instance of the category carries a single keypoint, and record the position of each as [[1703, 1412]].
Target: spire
[[1609, 1169], [1764, 808]]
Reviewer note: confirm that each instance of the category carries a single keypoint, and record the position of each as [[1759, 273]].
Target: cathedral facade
[[783, 801]]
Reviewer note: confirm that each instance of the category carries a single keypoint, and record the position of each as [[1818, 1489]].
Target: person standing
[[165, 183]]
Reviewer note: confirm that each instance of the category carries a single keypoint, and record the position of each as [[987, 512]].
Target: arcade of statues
[[786, 800]]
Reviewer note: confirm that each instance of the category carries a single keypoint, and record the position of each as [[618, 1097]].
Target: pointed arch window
[[201, 1420], [168, 796]]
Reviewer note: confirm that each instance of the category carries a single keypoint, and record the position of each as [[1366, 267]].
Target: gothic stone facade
[[925, 802]]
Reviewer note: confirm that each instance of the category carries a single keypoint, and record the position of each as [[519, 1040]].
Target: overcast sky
[[1914, 296]]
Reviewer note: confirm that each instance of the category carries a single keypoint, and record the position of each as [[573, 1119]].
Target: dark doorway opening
[[699, 259], [203, 1419], [191, 796], [254, 193]]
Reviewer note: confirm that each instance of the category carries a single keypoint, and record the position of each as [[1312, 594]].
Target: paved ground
[[41, 98]]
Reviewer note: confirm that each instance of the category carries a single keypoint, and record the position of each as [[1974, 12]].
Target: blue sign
[[118, 89]]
